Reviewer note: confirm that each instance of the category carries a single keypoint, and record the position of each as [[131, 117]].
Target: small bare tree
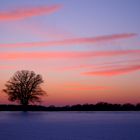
[[24, 87]]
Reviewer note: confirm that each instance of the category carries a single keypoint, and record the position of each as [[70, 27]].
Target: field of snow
[[69, 125]]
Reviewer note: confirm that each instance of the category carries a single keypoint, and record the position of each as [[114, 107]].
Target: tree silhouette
[[24, 87]]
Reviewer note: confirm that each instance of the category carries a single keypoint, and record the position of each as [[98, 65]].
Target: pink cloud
[[7, 67], [38, 30], [54, 55], [79, 87], [28, 12], [113, 72], [74, 41], [101, 65]]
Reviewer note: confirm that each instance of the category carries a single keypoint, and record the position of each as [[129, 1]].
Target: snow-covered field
[[69, 125]]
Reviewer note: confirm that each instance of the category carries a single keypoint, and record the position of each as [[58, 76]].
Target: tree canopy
[[24, 87]]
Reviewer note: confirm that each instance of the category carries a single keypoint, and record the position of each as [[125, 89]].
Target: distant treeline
[[85, 107]]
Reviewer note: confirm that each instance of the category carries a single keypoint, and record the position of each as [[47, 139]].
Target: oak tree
[[24, 87]]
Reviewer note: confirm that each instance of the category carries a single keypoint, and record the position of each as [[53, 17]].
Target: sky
[[87, 51]]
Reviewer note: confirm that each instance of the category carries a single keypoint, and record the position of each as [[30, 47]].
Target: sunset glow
[[86, 51]]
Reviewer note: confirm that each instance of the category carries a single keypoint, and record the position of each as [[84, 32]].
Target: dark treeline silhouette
[[101, 106], [24, 88]]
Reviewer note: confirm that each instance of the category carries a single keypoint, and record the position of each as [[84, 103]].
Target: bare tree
[[24, 87]]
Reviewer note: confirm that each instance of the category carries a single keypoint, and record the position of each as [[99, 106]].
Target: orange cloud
[[87, 54], [28, 12], [74, 41], [112, 72]]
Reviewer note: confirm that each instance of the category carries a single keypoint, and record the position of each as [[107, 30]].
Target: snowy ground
[[69, 125]]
